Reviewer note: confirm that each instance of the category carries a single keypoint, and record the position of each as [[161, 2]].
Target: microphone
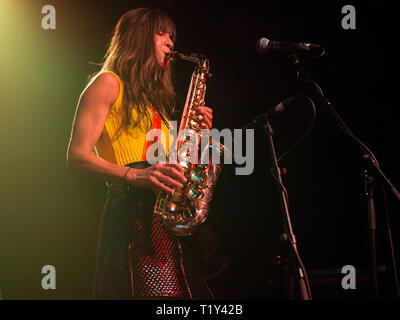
[[265, 45], [270, 113], [282, 106]]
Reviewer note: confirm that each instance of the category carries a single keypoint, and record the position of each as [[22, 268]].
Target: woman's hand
[[206, 117], [165, 176]]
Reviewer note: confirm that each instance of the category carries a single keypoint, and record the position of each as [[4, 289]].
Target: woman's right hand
[[165, 176]]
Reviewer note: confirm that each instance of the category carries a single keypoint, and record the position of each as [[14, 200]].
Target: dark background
[[50, 215]]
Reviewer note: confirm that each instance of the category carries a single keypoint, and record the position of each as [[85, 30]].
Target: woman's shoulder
[[111, 75], [106, 84], [108, 78]]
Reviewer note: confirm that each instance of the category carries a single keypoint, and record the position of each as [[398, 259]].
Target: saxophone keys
[[173, 207], [177, 196], [191, 194], [184, 164], [195, 176], [195, 125], [194, 193], [185, 158]]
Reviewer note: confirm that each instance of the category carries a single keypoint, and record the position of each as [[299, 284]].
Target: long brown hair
[[131, 55]]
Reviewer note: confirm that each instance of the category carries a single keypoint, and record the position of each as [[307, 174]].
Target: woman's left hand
[[206, 114]]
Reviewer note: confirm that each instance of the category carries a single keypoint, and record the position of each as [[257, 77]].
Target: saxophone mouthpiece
[[167, 58], [170, 56], [166, 61]]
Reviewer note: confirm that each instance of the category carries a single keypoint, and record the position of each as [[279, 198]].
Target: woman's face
[[163, 45]]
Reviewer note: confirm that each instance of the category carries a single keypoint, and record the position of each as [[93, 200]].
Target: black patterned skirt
[[137, 258]]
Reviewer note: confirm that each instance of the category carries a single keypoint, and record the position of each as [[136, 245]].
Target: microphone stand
[[368, 179], [288, 236], [369, 185], [366, 153]]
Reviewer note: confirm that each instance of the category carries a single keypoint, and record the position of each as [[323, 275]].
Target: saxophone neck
[[175, 55], [200, 60]]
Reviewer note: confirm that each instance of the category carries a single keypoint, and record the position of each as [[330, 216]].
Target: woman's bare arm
[[90, 117]]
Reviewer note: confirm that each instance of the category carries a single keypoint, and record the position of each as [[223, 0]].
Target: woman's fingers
[[178, 167], [207, 123], [167, 180], [174, 171], [206, 116], [168, 177], [161, 185], [204, 109]]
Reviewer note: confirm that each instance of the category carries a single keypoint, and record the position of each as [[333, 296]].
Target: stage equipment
[[372, 173], [265, 45], [288, 239]]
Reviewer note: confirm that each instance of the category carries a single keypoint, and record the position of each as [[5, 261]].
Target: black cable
[[292, 147], [281, 185], [310, 57], [391, 243], [341, 123], [299, 260], [311, 125]]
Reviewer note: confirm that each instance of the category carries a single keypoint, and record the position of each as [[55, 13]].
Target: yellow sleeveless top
[[130, 145]]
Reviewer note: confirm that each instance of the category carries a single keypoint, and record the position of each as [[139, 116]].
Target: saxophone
[[187, 208]]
